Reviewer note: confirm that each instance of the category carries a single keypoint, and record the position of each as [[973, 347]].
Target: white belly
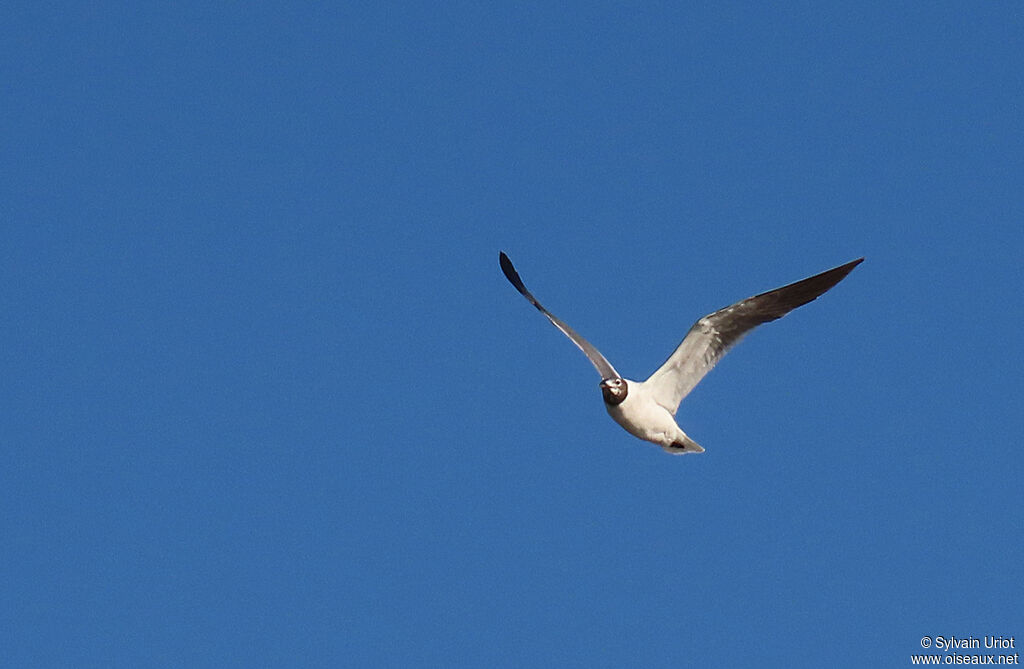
[[642, 417]]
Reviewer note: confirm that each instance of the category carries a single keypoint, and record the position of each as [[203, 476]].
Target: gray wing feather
[[712, 336], [603, 366]]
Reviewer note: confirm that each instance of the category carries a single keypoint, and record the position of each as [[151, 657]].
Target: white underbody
[[641, 416]]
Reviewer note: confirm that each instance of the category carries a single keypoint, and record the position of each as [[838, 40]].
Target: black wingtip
[[510, 272], [829, 278], [843, 270]]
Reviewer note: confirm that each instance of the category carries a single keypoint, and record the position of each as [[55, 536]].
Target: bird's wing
[[603, 366], [712, 336]]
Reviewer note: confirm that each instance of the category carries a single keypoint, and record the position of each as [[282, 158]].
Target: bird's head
[[614, 390]]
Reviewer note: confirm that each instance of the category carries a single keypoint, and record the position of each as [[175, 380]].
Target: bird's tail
[[683, 445]]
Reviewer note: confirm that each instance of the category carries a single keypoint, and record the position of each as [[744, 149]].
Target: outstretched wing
[[603, 366], [712, 336]]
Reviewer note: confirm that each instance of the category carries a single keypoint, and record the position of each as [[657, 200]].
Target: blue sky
[[268, 400]]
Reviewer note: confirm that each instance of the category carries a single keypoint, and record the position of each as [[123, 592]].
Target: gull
[[647, 409]]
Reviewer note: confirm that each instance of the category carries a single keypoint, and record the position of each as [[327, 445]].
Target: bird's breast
[[642, 417]]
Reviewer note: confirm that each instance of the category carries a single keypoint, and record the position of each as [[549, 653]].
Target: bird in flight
[[647, 409]]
